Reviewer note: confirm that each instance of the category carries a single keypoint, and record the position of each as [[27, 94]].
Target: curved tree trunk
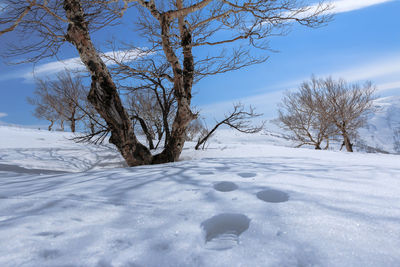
[[103, 93], [51, 125]]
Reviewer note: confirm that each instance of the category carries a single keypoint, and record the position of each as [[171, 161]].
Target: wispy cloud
[[2, 114], [341, 6], [73, 64], [385, 73]]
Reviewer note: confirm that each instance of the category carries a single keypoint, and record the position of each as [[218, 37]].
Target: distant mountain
[[382, 133]]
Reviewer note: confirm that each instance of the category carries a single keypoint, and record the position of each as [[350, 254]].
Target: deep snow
[[242, 202]]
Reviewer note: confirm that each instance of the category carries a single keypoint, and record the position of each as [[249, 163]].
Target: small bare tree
[[47, 104], [299, 113], [346, 106], [325, 108], [43, 109], [239, 119], [61, 96]]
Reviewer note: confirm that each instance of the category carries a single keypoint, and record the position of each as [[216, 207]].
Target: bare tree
[[43, 110], [238, 119], [47, 104], [174, 28], [61, 98], [70, 92], [325, 108], [346, 106], [299, 113]]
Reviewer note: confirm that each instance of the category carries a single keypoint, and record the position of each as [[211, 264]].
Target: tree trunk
[[205, 138], [72, 125], [62, 125], [183, 82], [346, 141], [145, 131], [103, 93], [92, 130], [327, 144], [51, 125], [166, 126]]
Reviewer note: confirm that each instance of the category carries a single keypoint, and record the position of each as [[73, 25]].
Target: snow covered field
[[242, 202]]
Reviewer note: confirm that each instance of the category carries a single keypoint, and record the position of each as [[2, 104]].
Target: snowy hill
[[383, 129], [381, 134], [241, 202]]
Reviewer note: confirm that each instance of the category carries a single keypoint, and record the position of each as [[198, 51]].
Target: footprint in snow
[[247, 174], [225, 186], [49, 254], [273, 196], [205, 172], [50, 234], [222, 231]]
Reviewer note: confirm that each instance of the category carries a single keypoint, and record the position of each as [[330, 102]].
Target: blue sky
[[361, 43]]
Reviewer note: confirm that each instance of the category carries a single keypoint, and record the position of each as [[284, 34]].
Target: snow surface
[[241, 202]]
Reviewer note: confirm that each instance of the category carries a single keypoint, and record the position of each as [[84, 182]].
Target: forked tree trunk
[[183, 82], [103, 93], [347, 143]]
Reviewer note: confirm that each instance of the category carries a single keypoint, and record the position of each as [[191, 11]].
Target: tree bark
[[146, 131], [103, 93], [347, 143], [51, 125], [73, 123], [183, 82]]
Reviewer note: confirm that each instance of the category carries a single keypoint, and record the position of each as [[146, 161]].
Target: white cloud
[[2, 114], [384, 72], [341, 6], [74, 64], [388, 86]]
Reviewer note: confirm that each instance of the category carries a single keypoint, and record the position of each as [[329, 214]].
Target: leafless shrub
[[239, 119]]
